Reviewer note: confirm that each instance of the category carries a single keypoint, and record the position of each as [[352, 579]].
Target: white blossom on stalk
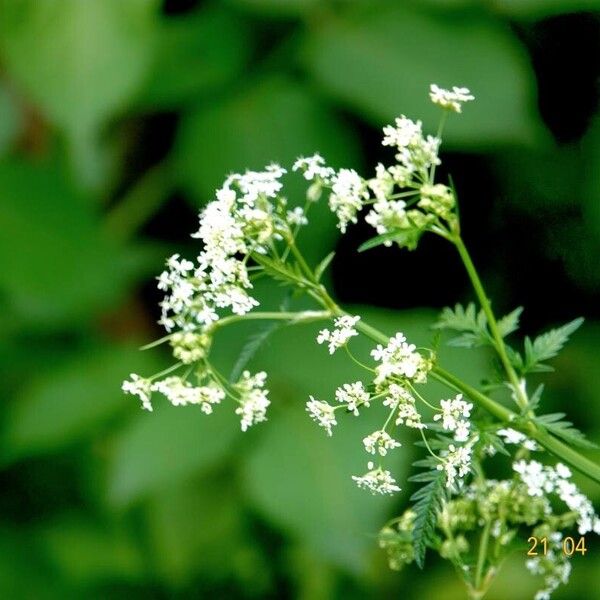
[[180, 393], [399, 359], [457, 464], [353, 395], [140, 387], [380, 442], [343, 331], [455, 417], [543, 480], [400, 399], [314, 167], [253, 399], [322, 413], [450, 99], [376, 480], [348, 193], [512, 436]]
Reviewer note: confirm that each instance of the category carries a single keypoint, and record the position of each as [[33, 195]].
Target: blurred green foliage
[[117, 121]]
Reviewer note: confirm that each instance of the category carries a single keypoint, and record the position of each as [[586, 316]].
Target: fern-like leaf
[[428, 503], [565, 430], [548, 345], [510, 322]]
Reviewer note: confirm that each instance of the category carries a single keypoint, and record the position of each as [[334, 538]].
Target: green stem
[[560, 450], [304, 316], [491, 319], [482, 554]]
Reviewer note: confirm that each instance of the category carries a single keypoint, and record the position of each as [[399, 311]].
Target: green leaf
[[10, 119], [88, 551], [168, 446], [549, 344], [510, 322], [198, 529], [362, 59], [295, 457], [73, 401], [197, 53], [57, 264], [80, 63], [467, 320], [322, 266], [564, 429], [275, 120], [428, 503]]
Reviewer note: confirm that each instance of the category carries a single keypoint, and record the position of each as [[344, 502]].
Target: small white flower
[[344, 330], [348, 192], [296, 216], [457, 464], [253, 401], [181, 393], [140, 387], [455, 414], [322, 413], [353, 395], [511, 436], [314, 167], [450, 99], [380, 442], [399, 359], [377, 480]]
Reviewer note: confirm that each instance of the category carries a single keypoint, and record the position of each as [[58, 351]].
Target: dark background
[[117, 122]]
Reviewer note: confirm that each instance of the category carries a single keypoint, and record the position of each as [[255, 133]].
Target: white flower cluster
[[253, 399], [343, 331], [348, 192], [554, 566], [322, 413], [246, 214], [176, 390], [451, 99], [314, 167], [511, 436], [544, 480], [400, 399], [400, 360], [377, 480], [380, 442], [353, 396], [457, 464], [455, 417]]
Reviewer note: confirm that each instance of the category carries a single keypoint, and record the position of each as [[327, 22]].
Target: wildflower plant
[[248, 232]]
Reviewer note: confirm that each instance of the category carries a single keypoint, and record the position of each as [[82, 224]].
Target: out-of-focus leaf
[[23, 571], [89, 552], [168, 446], [10, 120], [591, 192], [382, 62], [73, 400], [57, 265], [538, 9], [195, 54], [275, 121], [277, 8], [80, 62], [301, 480], [198, 530]]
